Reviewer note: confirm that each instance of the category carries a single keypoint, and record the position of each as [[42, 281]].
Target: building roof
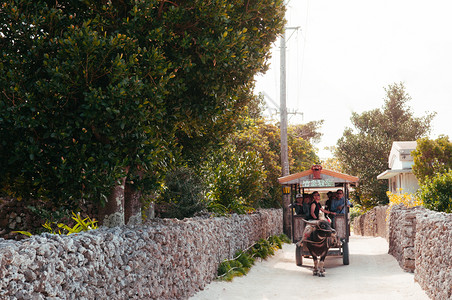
[[328, 178], [391, 173], [411, 145]]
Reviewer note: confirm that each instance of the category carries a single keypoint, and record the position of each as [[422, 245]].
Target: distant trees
[[98, 98], [301, 139], [363, 151]]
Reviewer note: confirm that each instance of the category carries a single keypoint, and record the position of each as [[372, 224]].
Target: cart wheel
[[345, 254], [298, 255]]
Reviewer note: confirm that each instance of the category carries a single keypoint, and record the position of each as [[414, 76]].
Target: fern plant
[[243, 260]]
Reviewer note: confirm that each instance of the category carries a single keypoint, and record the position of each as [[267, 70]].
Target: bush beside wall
[[162, 259]]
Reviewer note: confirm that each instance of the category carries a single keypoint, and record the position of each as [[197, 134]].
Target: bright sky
[[346, 52]]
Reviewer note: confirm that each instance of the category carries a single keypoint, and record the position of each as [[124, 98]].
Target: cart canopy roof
[[321, 178]]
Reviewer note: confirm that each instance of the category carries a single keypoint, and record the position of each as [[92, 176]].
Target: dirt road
[[372, 274]]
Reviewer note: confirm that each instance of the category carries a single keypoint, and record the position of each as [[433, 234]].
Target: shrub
[[407, 200], [235, 180], [243, 260], [436, 192], [183, 194]]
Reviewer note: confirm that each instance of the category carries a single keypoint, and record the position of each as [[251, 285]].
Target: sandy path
[[372, 274]]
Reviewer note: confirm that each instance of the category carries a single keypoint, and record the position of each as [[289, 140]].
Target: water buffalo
[[318, 236]]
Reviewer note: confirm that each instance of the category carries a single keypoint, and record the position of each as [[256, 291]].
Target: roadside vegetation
[[244, 259], [433, 168], [103, 104], [81, 224]]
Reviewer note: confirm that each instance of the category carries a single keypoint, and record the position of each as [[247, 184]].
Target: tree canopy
[[95, 91], [433, 169], [301, 139], [432, 157], [364, 150]]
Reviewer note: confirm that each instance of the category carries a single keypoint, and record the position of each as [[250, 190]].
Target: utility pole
[[283, 108], [287, 224], [283, 105]]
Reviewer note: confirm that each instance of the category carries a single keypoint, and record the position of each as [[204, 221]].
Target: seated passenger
[[316, 207], [298, 204], [338, 204], [307, 201]]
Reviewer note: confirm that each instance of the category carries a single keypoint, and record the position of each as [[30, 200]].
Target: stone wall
[[19, 216], [433, 252], [162, 259], [421, 241], [373, 223], [14, 215], [402, 233]]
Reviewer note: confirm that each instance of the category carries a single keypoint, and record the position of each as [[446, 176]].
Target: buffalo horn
[[314, 223]]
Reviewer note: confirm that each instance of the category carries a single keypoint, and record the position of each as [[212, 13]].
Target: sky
[[347, 52]]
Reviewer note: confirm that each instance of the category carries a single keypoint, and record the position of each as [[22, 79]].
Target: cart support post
[[287, 212]]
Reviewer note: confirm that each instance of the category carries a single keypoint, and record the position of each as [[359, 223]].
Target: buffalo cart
[[323, 181]]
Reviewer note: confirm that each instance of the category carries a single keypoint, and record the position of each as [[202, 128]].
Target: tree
[[432, 157], [253, 133], [363, 152], [224, 44], [300, 139], [79, 112], [96, 96], [309, 131], [332, 163]]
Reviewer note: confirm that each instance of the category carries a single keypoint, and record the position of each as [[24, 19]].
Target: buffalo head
[[323, 227]]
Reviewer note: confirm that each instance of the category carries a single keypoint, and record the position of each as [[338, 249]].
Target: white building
[[400, 176]]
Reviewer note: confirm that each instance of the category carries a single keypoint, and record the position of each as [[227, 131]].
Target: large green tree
[[98, 97], [364, 150]]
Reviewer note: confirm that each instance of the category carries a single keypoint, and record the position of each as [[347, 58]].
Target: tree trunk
[[112, 214], [132, 205]]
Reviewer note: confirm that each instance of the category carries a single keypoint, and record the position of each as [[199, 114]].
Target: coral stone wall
[[402, 233], [433, 252], [19, 216], [162, 259], [14, 215], [372, 223], [421, 241]]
